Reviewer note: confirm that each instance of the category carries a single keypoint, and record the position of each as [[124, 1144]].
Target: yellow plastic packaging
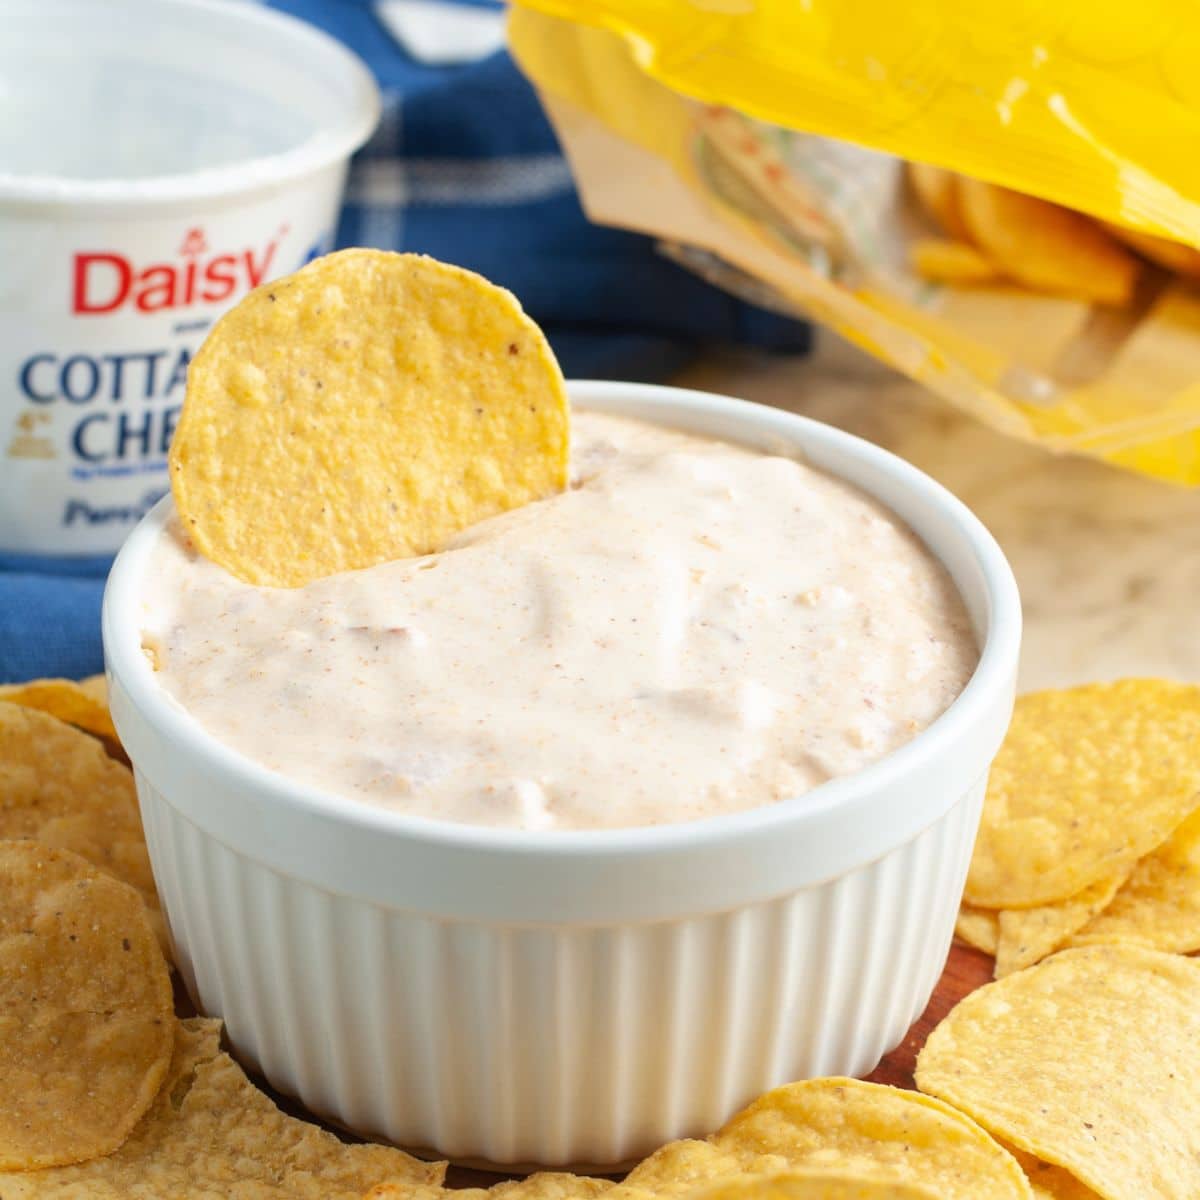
[[761, 140]]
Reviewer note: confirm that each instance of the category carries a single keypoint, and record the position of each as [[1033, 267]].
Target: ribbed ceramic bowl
[[572, 997]]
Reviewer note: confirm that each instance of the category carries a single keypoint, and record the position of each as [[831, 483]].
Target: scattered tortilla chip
[[1045, 246], [1027, 935], [865, 1129], [1159, 905], [678, 1167], [1087, 781], [83, 703], [365, 408], [546, 1185], [1174, 256], [811, 1185], [59, 787], [211, 1133], [1049, 1182], [937, 192], [86, 1011], [1090, 1061], [951, 262], [978, 927], [822, 1120]]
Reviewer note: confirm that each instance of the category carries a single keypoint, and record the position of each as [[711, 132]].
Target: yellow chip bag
[[86, 1011], [211, 1133], [1087, 781], [1171, 256], [1027, 935], [59, 787], [767, 144], [1090, 1061], [1045, 246], [1159, 905], [863, 1130], [366, 408], [83, 702]]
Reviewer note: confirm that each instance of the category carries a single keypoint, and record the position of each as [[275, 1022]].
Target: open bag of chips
[[997, 201]]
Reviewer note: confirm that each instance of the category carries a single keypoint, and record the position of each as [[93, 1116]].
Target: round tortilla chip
[[1089, 1061], [1027, 935], [863, 1130], [1045, 246], [1174, 256], [1049, 1182], [83, 702], [1159, 904], [544, 1185], [937, 192], [366, 408], [881, 1131], [813, 1184], [951, 262], [211, 1133], [675, 1168], [978, 927], [86, 1010], [58, 786], [1087, 781]]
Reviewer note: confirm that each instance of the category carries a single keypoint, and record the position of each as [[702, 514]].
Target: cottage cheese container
[[158, 159]]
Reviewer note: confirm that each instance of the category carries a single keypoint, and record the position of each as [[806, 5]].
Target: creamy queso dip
[[693, 628]]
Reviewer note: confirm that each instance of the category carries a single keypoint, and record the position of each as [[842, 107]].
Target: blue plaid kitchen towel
[[463, 166]]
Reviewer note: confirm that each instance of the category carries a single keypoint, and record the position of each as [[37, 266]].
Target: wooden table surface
[[965, 971]]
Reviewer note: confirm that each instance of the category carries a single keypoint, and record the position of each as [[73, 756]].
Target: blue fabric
[[464, 166], [49, 625]]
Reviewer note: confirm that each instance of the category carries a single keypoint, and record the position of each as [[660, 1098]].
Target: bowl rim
[[990, 683], [322, 147]]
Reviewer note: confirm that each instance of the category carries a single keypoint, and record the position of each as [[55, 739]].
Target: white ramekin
[[572, 997], [158, 158]]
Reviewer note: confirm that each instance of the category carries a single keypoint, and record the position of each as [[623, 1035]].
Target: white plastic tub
[[572, 997], [158, 158]]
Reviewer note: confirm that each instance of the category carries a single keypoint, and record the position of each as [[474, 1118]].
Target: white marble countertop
[[1108, 563]]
